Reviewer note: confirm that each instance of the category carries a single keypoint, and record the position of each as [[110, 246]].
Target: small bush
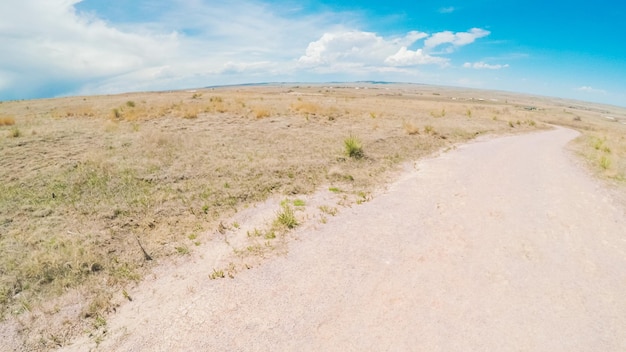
[[217, 274], [15, 132], [117, 114], [597, 144], [353, 147], [130, 104], [605, 162], [287, 217]]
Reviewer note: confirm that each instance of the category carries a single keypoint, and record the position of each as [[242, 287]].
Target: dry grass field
[[95, 190]]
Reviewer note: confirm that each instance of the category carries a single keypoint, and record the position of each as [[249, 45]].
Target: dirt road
[[500, 245]]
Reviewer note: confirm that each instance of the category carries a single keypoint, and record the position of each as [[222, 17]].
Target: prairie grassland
[[603, 140], [94, 188]]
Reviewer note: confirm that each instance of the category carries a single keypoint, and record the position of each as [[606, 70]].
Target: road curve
[[504, 244]]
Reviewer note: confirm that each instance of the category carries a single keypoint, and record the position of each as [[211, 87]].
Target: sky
[[569, 49]]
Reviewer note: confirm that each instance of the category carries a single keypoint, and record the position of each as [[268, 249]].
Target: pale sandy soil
[[505, 244]]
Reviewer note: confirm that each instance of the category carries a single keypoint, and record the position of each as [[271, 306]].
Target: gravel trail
[[505, 244]]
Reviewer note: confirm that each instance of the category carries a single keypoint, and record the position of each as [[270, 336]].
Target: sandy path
[[500, 245]]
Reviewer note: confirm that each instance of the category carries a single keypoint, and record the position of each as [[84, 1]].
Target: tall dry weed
[[306, 107]]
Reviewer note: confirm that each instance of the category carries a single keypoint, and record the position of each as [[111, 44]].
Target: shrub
[[117, 114], [287, 217], [353, 147], [605, 162], [15, 132]]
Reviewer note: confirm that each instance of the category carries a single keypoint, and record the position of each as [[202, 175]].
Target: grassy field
[[96, 190]]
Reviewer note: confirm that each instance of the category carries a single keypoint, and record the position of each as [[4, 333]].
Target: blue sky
[[571, 49]]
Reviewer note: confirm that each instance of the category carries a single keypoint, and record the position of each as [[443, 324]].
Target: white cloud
[[410, 38], [344, 46], [50, 48], [366, 48], [247, 67], [406, 57], [51, 36], [588, 89], [449, 9], [48, 43], [482, 65], [455, 39]]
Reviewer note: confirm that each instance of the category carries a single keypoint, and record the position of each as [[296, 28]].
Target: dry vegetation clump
[[7, 120], [353, 147], [261, 112], [110, 183], [605, 151], [306, 107], [410, 128]]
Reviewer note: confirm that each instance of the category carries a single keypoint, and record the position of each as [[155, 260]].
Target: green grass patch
[[353, 147], [287, 217]]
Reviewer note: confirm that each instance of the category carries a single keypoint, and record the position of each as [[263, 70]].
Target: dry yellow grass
[[103, 179], [7, 120], [306, 107], [410, 128], [260, 112]]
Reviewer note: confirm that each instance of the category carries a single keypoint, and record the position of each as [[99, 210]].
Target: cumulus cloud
[[454, 39], [365, 48], [406, 57], [372, 50], [344, 46], [482, 65]]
